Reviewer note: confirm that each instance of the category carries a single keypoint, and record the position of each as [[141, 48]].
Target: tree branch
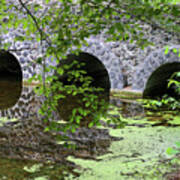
[[42, 34]]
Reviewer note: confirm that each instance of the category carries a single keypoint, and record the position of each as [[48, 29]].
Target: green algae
[[126, 94], [141, 154], [175, 120], [33, 169]]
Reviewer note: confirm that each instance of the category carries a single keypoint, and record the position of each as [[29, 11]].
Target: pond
[[136, 151]]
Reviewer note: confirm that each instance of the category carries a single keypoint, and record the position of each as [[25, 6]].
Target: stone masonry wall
[[121, 59]]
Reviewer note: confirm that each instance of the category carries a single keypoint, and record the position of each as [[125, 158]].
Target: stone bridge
[[125, 64], [114, 64]]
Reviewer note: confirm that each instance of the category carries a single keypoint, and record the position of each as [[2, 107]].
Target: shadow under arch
[[156, 85], [10, 80], [92, 65], [100, 79]]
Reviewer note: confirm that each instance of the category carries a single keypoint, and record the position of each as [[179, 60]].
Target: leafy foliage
[[168, 102], [165, 102], [61, 27], [173, 151]]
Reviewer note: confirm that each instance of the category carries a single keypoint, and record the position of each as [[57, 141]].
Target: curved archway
[[9, 66], [156, 85], [151, 63], [93, 67], [111, 62], [10, 80], [100, 79], [106, 56]]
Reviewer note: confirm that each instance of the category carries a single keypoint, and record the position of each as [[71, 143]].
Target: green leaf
[[171, 151], [178, 144], [166, 50], [19, 38], [120, 27], [175, 50], [60, 71], [78, 119], [74, 93], [74, 111], [46, 129], [91, 124], [87, 104], [178, 74], [33, 168], [128, 16]]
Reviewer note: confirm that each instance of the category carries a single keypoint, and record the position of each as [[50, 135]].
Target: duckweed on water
[[141, 154]]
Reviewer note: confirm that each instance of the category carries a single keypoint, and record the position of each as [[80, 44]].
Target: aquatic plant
[[167, 101]]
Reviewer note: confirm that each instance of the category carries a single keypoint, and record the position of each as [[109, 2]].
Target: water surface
[[137, 151]]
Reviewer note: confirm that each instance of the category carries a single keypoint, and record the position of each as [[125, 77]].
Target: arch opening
[[157, 84], [93, 67], [9, 67], [10, 80], [100, 79]]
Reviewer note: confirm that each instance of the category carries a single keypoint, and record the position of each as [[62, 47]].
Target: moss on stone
[[126, 94]]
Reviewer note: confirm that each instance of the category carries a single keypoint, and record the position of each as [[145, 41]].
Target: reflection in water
[[90, 142], [20, 169], [10, 80], [66, 106], [20, 103], [23, 103], [10, 92], [96, 74], [29, 141], [128, 109], [29, 135]]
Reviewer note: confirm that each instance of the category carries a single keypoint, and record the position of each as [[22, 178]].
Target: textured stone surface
[[122, 60], [110, 61], [131, 57], [151, 63], [93, 68], [25, 107]]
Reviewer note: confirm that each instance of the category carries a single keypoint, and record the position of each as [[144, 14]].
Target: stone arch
[[10, 66], [108, 58], [104, 54], [93, 67], [10, 80], [151, 63], [156, 85]]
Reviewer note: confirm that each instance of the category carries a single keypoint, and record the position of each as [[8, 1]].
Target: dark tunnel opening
[[92, 65], [9, 67], [10, 80], [157, 84], [100, 79]]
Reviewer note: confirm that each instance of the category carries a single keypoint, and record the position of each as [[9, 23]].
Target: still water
[[136, 151]]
